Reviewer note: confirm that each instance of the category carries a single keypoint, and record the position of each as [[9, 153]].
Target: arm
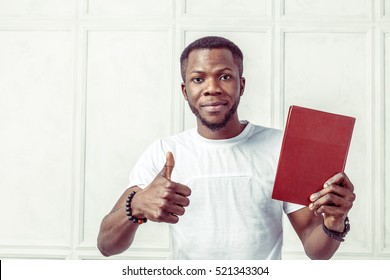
[[162, 201], [329, 206], [116, 231]]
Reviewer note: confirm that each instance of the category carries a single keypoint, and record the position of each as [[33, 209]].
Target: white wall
[[86, 85]]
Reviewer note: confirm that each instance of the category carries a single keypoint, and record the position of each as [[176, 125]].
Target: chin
[[214, 126], [216, 122]]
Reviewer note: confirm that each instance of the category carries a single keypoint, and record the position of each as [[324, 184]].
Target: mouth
[[214, 106]]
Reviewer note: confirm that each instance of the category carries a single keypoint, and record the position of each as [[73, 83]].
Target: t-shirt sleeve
[[291, 207], [148, 166]]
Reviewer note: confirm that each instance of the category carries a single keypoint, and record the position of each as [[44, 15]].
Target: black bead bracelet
[[129, 211]]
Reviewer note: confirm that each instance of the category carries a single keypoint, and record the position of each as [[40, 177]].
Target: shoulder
[[162, 142], [180, 138], [266, 134], [179, 141], [266, 130]]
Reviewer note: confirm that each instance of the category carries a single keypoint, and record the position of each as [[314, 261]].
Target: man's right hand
[[163, 200]]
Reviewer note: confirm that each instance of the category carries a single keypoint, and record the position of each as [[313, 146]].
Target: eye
[[197, 80], [225, 77]]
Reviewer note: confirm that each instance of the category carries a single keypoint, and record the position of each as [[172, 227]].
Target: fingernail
[[313, 197], [311, 205]]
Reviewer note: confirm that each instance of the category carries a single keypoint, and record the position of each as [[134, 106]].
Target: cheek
[[185, 95], [234, 90], [193, 93]]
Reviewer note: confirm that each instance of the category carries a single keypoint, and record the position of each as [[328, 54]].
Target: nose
[[212, 87]]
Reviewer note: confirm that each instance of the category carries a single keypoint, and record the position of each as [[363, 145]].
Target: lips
[[214, 104], [214, 107]]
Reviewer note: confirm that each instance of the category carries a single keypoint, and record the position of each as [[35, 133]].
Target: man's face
[[213, 87]]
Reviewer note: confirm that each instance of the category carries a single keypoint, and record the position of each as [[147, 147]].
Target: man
[[213, 184]]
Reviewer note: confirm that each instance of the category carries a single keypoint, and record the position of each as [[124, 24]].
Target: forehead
[[210, 58]]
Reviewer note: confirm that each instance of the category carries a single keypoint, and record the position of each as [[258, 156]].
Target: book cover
[[314, 148]]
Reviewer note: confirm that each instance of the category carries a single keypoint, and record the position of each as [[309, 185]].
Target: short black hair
[[212, 42]]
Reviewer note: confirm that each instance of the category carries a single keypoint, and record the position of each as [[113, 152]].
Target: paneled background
[[87, 85]]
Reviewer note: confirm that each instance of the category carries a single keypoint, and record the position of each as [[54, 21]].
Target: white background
[[87, 85]]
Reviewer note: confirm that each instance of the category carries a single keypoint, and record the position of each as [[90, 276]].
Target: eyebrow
[[218, 70]]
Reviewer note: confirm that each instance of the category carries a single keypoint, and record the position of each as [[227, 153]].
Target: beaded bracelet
[[129, 211]]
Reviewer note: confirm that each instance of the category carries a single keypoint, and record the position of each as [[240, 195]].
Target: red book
[[315, 147]]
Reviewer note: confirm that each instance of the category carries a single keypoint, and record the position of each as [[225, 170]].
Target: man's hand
[[334, 201], [163, 200]]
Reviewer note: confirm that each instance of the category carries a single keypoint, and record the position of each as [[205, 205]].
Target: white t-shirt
[[231, 213]]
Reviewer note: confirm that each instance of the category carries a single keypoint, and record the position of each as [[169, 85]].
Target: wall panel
[[330, 71], [37, 8], [326, 8], [385, 223], [36, 137], [128, 106], [386, 8], [130, 8], [220, 8]]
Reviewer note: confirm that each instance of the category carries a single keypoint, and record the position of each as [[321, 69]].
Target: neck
[[233, 128]]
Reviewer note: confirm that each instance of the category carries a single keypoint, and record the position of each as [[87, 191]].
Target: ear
[[184, 90], [242, 86]]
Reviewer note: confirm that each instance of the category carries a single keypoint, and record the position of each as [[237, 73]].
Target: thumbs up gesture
[[163, 200], [169, 165]]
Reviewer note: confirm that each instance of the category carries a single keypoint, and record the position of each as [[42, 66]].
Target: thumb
[[169, 164]]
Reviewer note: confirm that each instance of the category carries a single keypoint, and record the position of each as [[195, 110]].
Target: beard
[[211, 125]]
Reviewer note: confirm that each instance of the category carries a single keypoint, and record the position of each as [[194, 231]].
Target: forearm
[[116, 231], [318, 245]]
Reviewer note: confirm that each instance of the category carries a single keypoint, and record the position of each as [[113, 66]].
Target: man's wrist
[[130, 213], [338, 228], [338, 235]]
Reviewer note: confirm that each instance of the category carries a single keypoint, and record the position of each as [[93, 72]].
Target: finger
[[329, 210], [169, 218], [182, 190], [166, 171], [340, 179], [169, 164], [181, 200], [176, 210], [332, 201], [335, 189], [173, 199], [329, 199], [162, 215]]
